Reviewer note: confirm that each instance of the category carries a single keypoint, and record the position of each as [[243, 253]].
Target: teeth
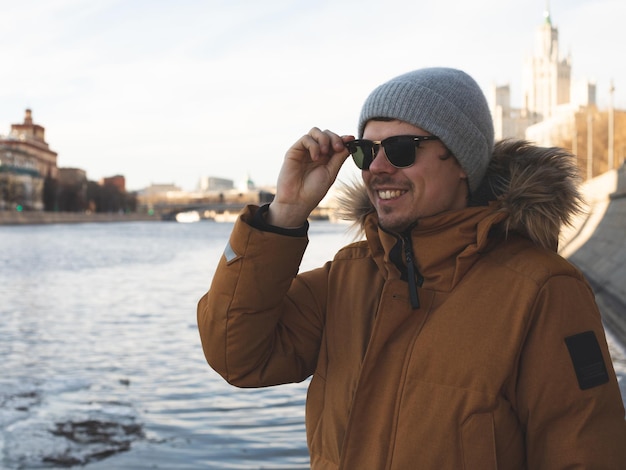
[[389, 194]]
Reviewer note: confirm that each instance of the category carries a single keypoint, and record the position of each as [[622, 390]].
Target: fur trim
[[537, 187], [353, 203]]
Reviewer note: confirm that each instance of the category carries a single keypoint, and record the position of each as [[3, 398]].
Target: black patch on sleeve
[[587, 360]]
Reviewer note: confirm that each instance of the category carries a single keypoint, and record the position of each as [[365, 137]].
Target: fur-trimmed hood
[[537, 187]]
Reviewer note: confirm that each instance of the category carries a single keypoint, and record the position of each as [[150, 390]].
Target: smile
[[389, 194]]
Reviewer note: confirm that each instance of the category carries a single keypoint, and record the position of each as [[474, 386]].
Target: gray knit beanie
[[445, 102]]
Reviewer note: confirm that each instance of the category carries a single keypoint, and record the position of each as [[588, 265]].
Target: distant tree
[[94, 196], [72, 197], [112, 199], [109, 198], [50, 186], [130, 202]]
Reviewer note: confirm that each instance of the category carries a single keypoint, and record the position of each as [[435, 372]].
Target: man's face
[[434, 183]]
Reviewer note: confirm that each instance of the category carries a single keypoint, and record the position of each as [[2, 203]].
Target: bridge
[[207, 206], [221, 210], [204, 209]]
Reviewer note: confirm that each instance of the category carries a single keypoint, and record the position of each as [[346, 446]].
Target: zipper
[[414, 278]]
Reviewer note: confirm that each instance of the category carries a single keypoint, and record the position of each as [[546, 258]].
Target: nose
[[380, 164]]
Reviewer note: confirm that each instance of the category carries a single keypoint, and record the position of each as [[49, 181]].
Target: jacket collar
[[444, 246]]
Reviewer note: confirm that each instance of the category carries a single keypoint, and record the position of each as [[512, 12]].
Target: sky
[[165, 92]]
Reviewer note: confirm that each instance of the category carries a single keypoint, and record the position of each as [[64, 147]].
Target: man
[[453, 336]]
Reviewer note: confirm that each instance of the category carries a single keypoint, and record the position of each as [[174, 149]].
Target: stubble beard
[[390, 223], [386, 217]]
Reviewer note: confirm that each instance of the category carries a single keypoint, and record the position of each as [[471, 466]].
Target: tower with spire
[[547, 88], [547, 75], [557, 111]]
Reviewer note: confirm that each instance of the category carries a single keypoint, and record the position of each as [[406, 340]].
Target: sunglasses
[[399, 150]]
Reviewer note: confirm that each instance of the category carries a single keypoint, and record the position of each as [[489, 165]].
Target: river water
[[101, 361]]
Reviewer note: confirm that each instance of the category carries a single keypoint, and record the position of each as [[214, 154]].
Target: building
[[160, 194], [546, 83], [118, 181], [559, 111], [212, 183], [25, 162], [547, 77], [507, 121]]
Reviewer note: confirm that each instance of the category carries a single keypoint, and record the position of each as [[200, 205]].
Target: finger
[[322, 144], [336, 142], [311, 146], [337, 160], [340, 152], [324, 141]]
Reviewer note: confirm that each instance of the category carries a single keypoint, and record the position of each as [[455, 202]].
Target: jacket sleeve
[[568, 398], [260, 323]]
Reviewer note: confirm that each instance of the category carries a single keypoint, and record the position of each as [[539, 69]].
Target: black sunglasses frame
[[364, 151]]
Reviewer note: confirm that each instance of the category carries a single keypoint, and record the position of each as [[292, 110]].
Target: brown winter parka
[[467, 343]]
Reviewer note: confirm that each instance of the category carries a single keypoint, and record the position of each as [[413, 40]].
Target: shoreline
[[40, 218]]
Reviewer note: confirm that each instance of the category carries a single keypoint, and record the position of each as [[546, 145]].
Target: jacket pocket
[[479, 443]]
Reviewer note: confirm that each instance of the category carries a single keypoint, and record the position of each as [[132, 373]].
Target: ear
[[462, 172]]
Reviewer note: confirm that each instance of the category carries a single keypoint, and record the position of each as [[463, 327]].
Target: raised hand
[[310, 168]]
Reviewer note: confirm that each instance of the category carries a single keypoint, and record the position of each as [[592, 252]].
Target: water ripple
[[100, 346]]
